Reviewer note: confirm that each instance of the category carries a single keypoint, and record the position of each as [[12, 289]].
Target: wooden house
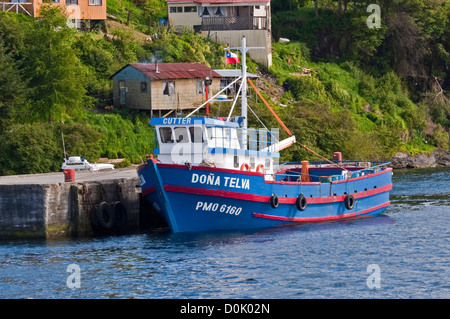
[[225, 21], [163, 87], [79, 11]]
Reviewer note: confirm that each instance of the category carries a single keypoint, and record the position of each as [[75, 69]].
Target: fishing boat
[[217, 174]]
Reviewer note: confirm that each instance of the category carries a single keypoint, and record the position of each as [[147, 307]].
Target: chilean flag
[[231, 57]]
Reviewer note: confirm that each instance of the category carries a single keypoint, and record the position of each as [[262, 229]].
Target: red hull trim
[[321, 219], [148, 190], [265, 199]]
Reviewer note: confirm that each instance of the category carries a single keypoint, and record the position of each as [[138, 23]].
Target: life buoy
[[300, 202], [261, 169], [120, 215], [245, 167], [274, 201], [349, 201], [104, 216]]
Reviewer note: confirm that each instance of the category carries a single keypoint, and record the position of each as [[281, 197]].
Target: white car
[[77, 163]]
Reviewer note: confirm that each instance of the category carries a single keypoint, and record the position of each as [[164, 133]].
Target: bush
[[306, 87], [30, 148]]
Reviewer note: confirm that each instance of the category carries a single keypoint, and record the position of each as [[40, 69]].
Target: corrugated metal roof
[[234, 73], [218, 1], [184, 70]]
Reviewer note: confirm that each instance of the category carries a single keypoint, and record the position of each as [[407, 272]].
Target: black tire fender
[[120, 215], [349, 201], [104, 216], [301, 203], [274, 201]]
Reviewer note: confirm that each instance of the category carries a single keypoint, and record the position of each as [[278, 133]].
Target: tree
[[288, 5], [13, 87], [29, 149], [57, 77]]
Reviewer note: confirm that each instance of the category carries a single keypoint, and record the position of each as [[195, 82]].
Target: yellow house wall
[[185, 96]]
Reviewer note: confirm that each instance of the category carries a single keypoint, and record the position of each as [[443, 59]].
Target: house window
[[175, 9], [200, 87], [218, 12], [69, 2], [95, 2], [143, 87], [204, 12], [190, 9], [165, 134], [169, 88]]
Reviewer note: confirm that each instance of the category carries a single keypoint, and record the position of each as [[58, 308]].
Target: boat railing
[[341, 163], [369, 167], [244, 139]]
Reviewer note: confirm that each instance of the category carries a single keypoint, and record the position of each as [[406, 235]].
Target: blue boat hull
[[195, 199]]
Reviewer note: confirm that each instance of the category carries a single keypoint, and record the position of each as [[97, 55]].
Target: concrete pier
[[45, 206]]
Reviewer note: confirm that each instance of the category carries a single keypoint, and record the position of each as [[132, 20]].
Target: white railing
[[18, 7]]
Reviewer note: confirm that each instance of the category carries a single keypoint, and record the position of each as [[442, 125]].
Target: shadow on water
[[213, 238], [415, 200]]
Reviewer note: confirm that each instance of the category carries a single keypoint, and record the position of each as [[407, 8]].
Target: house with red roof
[[225, 21], [163, 88]]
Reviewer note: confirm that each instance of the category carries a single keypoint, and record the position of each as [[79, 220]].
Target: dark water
[[409, 247]]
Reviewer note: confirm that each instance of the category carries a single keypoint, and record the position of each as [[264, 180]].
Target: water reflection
[[325, 260]]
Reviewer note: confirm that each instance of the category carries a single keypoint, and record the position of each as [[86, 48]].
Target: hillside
[[358, 100]]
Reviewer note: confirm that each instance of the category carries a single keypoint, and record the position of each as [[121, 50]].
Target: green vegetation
[[56, 80], [394, 80], [338, 85]]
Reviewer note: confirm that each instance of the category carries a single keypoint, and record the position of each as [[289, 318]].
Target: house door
[[122, 92]]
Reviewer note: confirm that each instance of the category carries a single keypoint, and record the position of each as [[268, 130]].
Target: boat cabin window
[[165, 134], [267, 163], [181, 135], [252, 163], [210, 133], [236, 161], [226, 133], [196, 134]]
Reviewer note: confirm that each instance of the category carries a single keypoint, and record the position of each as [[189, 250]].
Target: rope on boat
[[270, 109], [286, 129], [322, 157]]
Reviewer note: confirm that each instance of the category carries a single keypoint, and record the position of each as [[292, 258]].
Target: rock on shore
[[438, 158]]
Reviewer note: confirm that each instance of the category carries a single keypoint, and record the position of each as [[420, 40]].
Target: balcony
[[17, 7], [234, 23]]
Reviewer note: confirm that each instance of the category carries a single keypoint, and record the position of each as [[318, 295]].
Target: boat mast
[[244, 83], [244, 50]]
